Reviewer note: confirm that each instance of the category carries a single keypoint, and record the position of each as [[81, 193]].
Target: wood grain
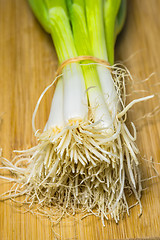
[[27, 65]]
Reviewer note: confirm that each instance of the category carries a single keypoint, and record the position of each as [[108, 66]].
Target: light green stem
[[95, 25], [83, 46]]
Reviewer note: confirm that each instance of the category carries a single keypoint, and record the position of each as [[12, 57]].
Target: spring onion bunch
[[86, 157]]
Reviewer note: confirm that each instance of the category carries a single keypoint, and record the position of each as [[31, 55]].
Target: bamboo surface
[[27, 65]]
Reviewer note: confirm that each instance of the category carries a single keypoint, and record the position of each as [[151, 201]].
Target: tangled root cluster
[[81, 167]]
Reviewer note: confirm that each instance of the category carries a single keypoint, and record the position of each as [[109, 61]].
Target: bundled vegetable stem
[[86, 156]]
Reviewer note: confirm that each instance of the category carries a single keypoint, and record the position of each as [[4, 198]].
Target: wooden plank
[[27, 65]]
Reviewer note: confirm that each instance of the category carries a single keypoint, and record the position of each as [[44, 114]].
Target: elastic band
[[78, 59]]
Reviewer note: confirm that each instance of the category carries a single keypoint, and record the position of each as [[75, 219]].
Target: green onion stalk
[[86, 156]]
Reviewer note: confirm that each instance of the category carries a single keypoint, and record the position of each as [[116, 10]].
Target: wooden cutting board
[[27, 65]]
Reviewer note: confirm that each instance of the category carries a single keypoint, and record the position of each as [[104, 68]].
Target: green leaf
[[111, 8], [40, 10], [120, 19]]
